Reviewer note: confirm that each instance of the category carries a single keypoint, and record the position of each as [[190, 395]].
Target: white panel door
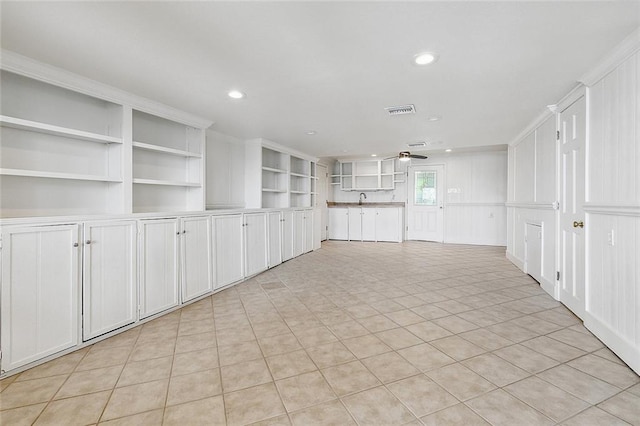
[[255, 243], [275, 238], [355, 224], [426, 203], [388, 224], [109, 296], [308, 231], [298, 232], [338, 224], [158, 266], [228, 249], [40, 295], [368, 224], [195, 246], [288, 226], [572, 197]]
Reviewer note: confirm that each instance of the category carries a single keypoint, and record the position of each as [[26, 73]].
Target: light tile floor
[[355, 333]]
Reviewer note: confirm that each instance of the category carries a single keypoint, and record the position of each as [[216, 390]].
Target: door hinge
[[557, 135], [558, 276]]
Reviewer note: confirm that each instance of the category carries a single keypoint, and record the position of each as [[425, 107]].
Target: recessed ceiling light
[[311, 132], [447, 150], [374, 155], [425, 58], [236, 94], [434, 118]]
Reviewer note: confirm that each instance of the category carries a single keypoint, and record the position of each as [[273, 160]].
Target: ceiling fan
[[406, 156]]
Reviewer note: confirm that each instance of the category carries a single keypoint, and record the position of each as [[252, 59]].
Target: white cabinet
[[308, 231], [388, 224], [338, 224], [109, 296], [195, 251], [40, 294], [158, 265], [275, 238], [366, 223], [355, 224], [255, 243], [228, 249], [288, 227]]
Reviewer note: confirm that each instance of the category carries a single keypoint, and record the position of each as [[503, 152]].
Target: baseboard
[[623, 348]]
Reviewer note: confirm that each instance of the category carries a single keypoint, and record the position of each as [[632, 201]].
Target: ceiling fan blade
[[389, 158], [418, 156]]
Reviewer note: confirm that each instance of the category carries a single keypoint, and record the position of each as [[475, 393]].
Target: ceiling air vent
[[417, 145], [399, 110]]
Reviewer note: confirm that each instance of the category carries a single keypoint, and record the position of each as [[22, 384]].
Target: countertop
[[365, 204]]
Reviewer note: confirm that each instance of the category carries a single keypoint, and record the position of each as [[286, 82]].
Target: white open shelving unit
[[365, 175], [276, 177], [74, 146]]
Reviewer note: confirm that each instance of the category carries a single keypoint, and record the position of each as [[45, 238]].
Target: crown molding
[[18, 64], [629, 46]]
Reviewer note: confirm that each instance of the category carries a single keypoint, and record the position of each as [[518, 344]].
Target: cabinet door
[[227, 249], [368, 224], [109, 277], [275, 238], [338, 224], [298, 233], [355, 224], [158, 265], [196, 257], [288, 225], [40, 292], [389, 224], [255, 238], [308, 231]]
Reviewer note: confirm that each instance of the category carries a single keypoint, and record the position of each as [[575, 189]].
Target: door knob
[[578, 224]]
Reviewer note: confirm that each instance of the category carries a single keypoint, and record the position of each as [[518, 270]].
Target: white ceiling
[[332, 67]]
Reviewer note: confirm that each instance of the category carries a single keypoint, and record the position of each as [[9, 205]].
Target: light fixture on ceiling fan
[[406, 156]]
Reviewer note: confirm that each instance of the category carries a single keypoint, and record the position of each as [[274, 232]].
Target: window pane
[[425, 190]]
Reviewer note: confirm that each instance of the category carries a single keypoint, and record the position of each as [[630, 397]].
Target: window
[[425, 189]]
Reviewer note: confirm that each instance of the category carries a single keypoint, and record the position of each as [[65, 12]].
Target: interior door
[[321, 199], [572, 197], [425, 211]]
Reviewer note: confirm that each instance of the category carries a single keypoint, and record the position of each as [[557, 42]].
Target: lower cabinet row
[[63, 284], [366, 224]]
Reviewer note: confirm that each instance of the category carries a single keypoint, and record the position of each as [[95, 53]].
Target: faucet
[[362, 195]]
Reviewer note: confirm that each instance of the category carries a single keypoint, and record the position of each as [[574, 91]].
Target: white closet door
[[288, 225], [109, 276], [196, 257], [40, 292], [158, 266], [255, 234], [275, 238], [228, 250]]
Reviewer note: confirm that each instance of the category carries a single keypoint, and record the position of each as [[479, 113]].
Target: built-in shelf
[[164, 150], [271, 169], [49, 129], [165, 182], [56, 175], [274, 190], [298, 192], [299, 175]]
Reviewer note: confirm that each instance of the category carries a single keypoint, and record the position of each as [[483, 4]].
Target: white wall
[[532, 195], [475, 195], [612, 219], [225, 171]]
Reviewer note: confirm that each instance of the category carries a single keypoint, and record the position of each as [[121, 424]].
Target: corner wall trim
[[613, 209]]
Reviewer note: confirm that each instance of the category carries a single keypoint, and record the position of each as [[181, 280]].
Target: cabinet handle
[[178, 233], [87, 242], [184, 231], [76, 244]]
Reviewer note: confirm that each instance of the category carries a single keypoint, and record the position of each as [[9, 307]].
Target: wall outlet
[[611, 238]]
